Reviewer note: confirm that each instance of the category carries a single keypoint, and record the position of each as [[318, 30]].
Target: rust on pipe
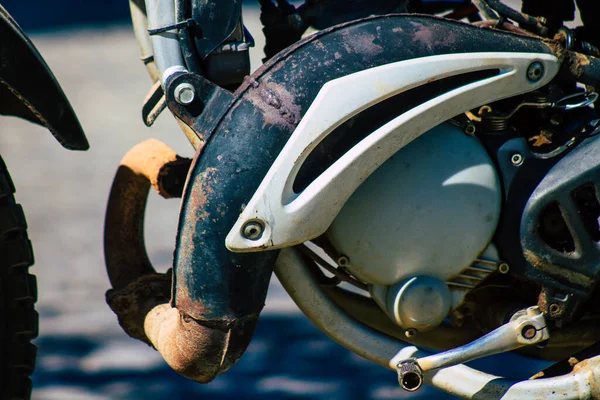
[[193, 348], [147, 164], [140, 297]]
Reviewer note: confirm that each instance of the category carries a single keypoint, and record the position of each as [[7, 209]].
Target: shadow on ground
[[288, 359]]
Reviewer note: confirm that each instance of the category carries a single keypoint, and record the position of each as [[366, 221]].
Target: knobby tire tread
[[18, 294]]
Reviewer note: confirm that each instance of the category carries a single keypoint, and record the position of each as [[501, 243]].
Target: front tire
[[18, 294]]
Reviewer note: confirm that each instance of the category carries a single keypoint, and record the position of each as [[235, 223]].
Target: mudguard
[[245, 132], [29, 90]]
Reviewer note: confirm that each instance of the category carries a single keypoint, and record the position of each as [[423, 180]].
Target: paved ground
[[83, 353]]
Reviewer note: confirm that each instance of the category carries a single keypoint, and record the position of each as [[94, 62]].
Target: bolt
[[470, 129], [343, 261], [516, 159], [535, 71], [503, 268], [253, 230], [554, 308], [410, 333], [185, 93], [528, 332]]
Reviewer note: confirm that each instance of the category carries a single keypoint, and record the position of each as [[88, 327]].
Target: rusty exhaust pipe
[[140, 296]]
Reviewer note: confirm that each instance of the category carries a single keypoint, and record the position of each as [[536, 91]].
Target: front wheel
[[18, 294]]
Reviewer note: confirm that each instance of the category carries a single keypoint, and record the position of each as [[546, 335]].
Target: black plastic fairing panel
[[560, 232], [29, 90]]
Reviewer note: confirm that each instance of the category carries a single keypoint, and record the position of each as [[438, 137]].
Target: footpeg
[[525, 327]]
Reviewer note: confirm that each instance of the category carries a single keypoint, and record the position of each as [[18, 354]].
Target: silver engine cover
[[430, 210]]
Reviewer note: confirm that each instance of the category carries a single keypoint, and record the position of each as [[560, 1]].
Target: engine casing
[[429, 211]]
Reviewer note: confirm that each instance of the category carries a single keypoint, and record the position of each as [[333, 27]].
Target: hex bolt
[[528, 332], [554, 308], [410, 333], [503, 268], [185, 93], [516, 159], [535, 71], [253, 230]]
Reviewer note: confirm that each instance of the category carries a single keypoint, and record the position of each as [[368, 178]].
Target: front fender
[[29, 90]]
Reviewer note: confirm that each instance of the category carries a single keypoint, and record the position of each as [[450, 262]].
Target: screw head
[[516, 159], [528, 332], [253, 230], [470, 129], [554, 308], [503, 268], [185, 93], [410, 333], [535, 71], [343, 261]]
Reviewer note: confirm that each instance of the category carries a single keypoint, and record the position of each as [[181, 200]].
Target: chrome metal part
[[304, 216], [410, 375], [166, 48], [185, 93], [525, 327]]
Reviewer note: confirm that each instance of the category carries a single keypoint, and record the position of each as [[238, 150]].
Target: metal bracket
[[154, 104]]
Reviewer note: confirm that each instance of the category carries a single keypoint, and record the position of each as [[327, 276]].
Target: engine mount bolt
[[554, 309], [410, 333], [253, 230], [185, 93], [535, 71], [343, 261], [528, 332], [516, 159], [503, 268]]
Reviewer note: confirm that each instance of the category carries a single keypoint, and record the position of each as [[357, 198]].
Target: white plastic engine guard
[[290, 218]]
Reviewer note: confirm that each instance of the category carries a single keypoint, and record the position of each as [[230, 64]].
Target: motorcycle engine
[[418, 230], [515, 204]]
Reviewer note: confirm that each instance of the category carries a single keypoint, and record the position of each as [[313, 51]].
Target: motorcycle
[[28, 90], [421, 177]]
